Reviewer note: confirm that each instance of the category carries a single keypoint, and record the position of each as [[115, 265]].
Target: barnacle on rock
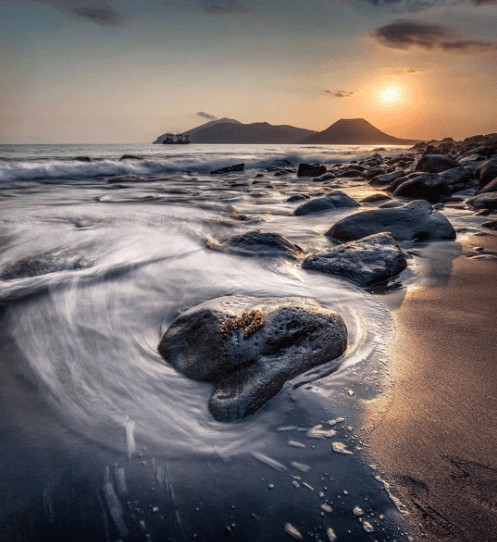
[[251, 321]]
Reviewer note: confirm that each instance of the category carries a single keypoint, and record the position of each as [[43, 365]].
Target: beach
[[104, 439], [437, 438]]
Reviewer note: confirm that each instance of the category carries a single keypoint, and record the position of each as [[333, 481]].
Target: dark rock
[[259, 243], [490, 224], [371, 260], [311, 170], [334, 200], [381, 180], [415, 220], [229, 169], [325, 177], [490, 187], [130, 157], [373, 198], [373, 172], [430, 187], [82, 159], [486, 172], [484, 201], [435, 163], [350, 173], [482, 212], [259, 175], [458, 178], [249, 347], [298, 197]]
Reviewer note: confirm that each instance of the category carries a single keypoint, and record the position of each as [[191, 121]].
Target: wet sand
[[436, 440]]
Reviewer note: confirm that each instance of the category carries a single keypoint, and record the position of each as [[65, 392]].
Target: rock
[[328, 176], [484, 201], [429, 186], [435, 163], [486, 172], [229, 169], [373, 198], [374, 172], [458, 178], [490, 187], [298, 197], [259, 243], [82, 159], [130, 157], [334, 200], [371, 260], [381, 180], [249, 347], [415, 220], [350, 173], [311, 170], [490, 224]]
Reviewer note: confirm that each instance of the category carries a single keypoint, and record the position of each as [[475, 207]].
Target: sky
[[93, 71]]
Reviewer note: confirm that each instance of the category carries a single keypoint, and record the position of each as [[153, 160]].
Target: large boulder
[[486, 172], [458, 178], [371, 260], [435, 163], [249, 347], [429, 186], [490, 187], [333, 200], [259, 243], [382, 180], [416, 220]]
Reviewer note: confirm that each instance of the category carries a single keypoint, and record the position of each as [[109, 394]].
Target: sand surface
[[437, 439]]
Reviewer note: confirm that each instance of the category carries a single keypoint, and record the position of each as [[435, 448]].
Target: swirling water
[[99, 257]]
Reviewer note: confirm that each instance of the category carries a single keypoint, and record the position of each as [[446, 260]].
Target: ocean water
[[102, 439]]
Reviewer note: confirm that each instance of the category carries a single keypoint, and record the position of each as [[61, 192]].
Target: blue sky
[[89, 71]]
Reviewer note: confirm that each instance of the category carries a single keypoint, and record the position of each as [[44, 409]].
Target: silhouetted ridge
[[355, 132]]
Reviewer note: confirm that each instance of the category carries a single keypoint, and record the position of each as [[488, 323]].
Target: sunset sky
[[88, 71]]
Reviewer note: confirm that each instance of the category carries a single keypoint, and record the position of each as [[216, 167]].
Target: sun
[[390, 94]]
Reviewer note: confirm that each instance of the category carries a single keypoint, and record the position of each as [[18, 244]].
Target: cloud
[[341, 93], [420, 5], [404, 35], [104, 14], [205, 115], [95, 11]]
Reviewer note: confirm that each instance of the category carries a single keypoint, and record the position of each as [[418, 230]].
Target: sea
[[100, 438]]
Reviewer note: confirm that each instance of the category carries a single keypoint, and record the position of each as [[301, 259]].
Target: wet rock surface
[[416, 220], [486, 172], [430, 187], [333, 200], [436, 163], [371, 260], [311, 170], [248, 348], [259, 243], [484, 201]]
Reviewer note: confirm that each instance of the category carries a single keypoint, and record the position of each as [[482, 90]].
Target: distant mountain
[[193, 131], [258, 132], [354, 132]]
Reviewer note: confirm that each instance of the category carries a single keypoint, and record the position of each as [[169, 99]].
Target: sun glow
[[390, 94]]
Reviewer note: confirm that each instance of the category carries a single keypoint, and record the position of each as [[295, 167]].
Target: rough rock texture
[[416, 220], [311, 170], [486, 172], [484, 201], [249, 362], [259, 243], [436, 163], [429, 186], [458, 178], [371, 260], [333, 200]]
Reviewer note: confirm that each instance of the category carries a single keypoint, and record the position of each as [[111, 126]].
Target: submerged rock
[[249, 347], [371, 260], [311, 170], [416, 220], [229, 169], [333, 200], [259, 243]]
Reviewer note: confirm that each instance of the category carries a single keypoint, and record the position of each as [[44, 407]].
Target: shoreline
[[435, 442]]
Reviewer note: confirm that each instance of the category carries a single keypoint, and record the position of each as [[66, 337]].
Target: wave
[[72, 169]]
